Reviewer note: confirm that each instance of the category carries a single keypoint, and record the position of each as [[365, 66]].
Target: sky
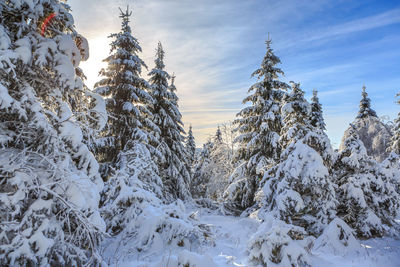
[[213, 46]]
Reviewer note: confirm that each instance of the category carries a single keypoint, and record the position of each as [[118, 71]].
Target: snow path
[[229, 238], [231, 235]]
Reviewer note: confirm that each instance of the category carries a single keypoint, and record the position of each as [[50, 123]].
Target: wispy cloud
[[213, 46]]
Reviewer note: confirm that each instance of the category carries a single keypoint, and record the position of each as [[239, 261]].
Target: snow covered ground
[[230, 235]]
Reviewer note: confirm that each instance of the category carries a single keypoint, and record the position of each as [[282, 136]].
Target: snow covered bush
[[49, 180], [337, 239], [134, 185], [368, 201], [278, 243], [49, 211], [299, 189]]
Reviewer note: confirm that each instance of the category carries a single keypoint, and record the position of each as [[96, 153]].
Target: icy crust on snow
[[373, 133]]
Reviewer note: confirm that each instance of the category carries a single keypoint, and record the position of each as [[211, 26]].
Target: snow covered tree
[[50, 183], [258, 125], [375, 134], [395, 141], [191, 146], [218, 136], [174, 169], [277, 243], [368, 200], [317, 120], [127, 96], [299, 190], [365, 106], [202, 173]]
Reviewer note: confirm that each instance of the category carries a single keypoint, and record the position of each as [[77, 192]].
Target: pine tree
[[174, 169], [191, 146], [365, 106], [128, 100], [259, 126], [367, 196], [395, 141], [299, 190], [50, 183], [317, 120], [218, 136]]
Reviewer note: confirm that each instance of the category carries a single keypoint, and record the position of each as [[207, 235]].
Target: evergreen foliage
[[317, 120], [259, 126], [365, 106], [191, 146], [299, 190], [395, 141], [128, 100], [174, 168], [50, 183], [368, 201]]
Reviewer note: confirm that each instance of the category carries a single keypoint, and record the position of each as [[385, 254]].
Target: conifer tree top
[[218, 135], [317, 119], [365, 106]]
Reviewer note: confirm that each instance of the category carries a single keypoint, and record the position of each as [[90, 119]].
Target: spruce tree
[[367, 196], [128, 100], [365, 106], [259, 126], [50, 183], [317, 120], [174, 168], [218, 136], [127, 143], [191, 146], [395, 141], [299, 190]]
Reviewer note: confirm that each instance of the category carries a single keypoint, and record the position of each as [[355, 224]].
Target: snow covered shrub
[[368, 201], [278, 243], [337, 239], [154, 226], [49, 179], [134, 185], [299, 190], [136, 216], [49, 211]]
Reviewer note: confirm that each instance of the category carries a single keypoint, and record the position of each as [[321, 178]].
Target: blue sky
[[213, 46]]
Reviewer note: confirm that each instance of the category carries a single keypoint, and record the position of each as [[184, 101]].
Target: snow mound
[[337, 239]]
